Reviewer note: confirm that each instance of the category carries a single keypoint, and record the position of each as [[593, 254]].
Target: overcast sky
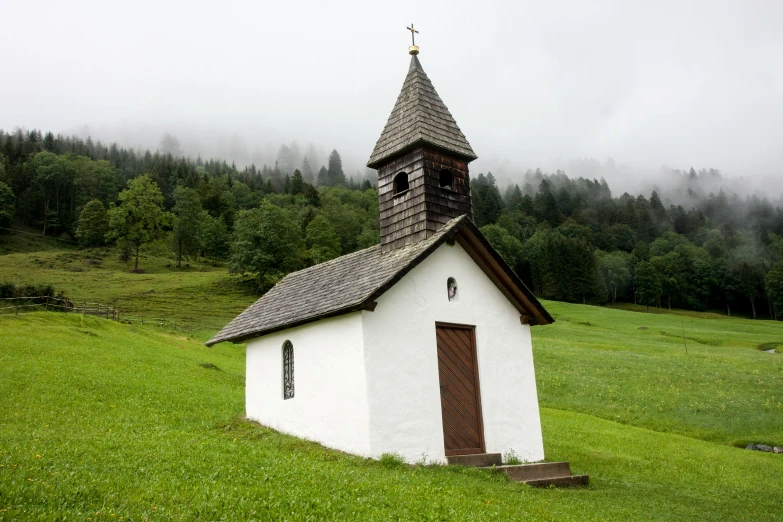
[[681, 83]]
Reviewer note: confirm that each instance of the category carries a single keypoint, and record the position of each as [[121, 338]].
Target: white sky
[[677, 83]]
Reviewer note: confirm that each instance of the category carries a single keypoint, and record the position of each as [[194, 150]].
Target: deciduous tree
[[267, 243], [140, 217], [93, 224], [322, 241]]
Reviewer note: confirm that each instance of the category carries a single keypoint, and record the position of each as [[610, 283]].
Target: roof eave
[[475, 244], [375, 163]]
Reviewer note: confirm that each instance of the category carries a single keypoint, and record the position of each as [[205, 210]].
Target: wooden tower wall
[[421, 210]]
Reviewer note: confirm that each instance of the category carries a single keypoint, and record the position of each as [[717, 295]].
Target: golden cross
[[414, 32]]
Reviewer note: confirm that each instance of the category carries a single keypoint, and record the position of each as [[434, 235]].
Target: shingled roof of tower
[[354, 281], [419, 116]]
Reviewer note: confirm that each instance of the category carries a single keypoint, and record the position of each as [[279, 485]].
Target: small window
[[400, 183], [451, 285], [446, 179], [288, 370]]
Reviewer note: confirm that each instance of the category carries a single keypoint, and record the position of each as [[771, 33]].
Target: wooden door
[[459, 389]]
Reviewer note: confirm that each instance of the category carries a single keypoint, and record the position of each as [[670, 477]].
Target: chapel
[[419, 346]]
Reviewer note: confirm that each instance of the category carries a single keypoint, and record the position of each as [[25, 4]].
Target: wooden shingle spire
[[422, 162], [418, 117]]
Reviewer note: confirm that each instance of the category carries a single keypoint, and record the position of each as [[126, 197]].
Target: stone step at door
[[543, 474], [477, 460]]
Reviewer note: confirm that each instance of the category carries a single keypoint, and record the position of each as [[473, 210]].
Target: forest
[[569, 239]]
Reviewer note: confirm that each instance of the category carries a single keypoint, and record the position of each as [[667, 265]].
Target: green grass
[[105, 421], [598, 361], [202, 294], [100, 419]]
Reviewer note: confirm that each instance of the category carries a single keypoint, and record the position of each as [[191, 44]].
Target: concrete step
[[541, 470], [479, 460], [570, 481], [543, 474]]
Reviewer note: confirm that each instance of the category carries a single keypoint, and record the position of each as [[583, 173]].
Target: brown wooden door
[[459, 389]]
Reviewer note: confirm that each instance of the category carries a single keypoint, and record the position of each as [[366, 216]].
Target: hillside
[[109, 421], [201, 294]]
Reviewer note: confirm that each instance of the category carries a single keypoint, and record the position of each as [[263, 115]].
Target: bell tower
[[422, 162]]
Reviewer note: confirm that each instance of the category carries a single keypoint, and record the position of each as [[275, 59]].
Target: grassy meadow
[[632, 368], [105, 421], [108, 421], [201, 294]]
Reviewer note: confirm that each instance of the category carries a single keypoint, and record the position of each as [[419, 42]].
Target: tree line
[[568, 239], [571, 240]]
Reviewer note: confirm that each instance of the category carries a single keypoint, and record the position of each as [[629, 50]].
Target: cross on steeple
[[414, 32]]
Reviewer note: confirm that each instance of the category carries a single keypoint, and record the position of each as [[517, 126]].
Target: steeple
[[419, 116], [422, 162]]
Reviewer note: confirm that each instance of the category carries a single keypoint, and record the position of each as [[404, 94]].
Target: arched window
[[288, 370], [400, 183], [451, 286], [446, 179]]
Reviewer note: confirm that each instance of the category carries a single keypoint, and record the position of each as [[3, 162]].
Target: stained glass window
[[288, 370]]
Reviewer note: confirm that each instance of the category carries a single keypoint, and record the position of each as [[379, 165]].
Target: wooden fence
[[22, 305]]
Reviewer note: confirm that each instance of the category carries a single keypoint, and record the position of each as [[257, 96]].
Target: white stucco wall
[[330, 399], [402, 363]]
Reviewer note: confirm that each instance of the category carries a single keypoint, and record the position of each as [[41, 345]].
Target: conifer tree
[[297, 183], [6, 204], [187, 223], [335, 174], [323, 177], [307, 171]]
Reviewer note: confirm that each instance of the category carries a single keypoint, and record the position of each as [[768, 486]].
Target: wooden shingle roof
[[419, 116], [354, 281]]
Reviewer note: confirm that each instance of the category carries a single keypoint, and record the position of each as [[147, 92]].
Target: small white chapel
[[419, 346]]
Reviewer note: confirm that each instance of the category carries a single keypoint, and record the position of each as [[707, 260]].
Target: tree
[[774, 286], [267, 242], [750, 280], [297, 183], [322, 241], [307, 171], [93, 224], [170, 145], [509, 247], [214, 235], [648, 284], [335, 176], [615, 271], [140, 217], [487, 203], [6, 205], [323, 177], [187, 222]]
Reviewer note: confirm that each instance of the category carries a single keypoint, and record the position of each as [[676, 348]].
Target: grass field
[[108, 421], [201, 294], [632, 368], [105, 421]]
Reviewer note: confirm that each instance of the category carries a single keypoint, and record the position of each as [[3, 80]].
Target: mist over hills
[[260, 146]]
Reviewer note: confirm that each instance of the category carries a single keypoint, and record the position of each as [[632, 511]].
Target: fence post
[[46, 307], [17, 301], [84, 308], [142, 320], [114, 314]]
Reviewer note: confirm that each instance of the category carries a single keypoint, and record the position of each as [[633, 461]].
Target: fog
[[593, 88]]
